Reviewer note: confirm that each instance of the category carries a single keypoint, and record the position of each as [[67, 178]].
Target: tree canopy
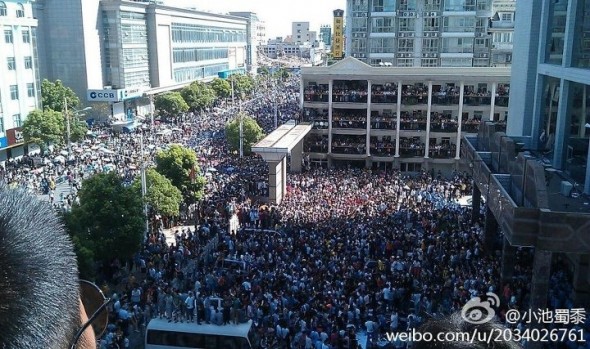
[[53, 95], [198, 95], [171, 103], [109, 221], [44, 128], [221, 87], [243, 84], [162, 196], [179, 164], [252, 133]]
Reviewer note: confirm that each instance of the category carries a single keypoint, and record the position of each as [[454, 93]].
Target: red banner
[[15, 136]]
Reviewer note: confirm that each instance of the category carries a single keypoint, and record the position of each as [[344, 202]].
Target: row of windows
[[198, 54], [196, 33], [16, 121], [14, 95], [134, 33], [20, 10], [196, 73], [443, 62], [9, 38], [11, 63], [132, 15]]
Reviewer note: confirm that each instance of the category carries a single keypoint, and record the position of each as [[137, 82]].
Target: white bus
[[161, 334]]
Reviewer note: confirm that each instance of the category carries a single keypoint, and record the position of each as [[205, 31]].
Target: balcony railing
[[381, 123], [442, 151], [382, 149], [413, 125], [349, 148], [346, 96], [349, 123]]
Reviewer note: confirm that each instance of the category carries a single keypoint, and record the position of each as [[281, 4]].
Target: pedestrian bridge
[[287, 139]]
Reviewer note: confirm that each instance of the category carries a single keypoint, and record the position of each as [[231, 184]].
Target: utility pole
[[144, 186], [67, 116], [241, 132], [152, 110]]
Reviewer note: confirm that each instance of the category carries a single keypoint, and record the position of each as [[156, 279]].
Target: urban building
[[502, 32], [20, 87], [253, 39], [276, 48], [419, 33], [397, 118], [326, 35], [119, 51], [260, 33], [535, 174], [300, 33]]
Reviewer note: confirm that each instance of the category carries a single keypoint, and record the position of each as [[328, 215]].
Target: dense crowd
[[348, 252]]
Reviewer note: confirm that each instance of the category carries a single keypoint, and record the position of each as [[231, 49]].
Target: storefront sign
[[3, 142], [103, 95], [15, 136], [129, 93]]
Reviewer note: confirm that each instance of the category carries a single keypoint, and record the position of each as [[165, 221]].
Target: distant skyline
[[278, 14]]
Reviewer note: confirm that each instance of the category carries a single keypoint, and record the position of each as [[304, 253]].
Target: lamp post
[[67, 117]]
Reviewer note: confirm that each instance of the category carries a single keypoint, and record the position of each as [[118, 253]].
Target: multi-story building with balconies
[[20, 88], [502, 32], [419, 33], [390, 117]]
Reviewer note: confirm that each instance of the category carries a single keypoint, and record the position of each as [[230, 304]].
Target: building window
[[1, 125], [8, 36], [14, 92], [11, 63], [507, 17], [26, 37], [30, 89], [20, 11], [3, 11], [28, 62], [16, 120]]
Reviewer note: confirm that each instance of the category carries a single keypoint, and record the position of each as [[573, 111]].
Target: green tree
[[251, 130], [263, 71], [221, 87], [243, 84], [44, 128], [162, 195], [171, 103], [53, 95], [109, 221], [78, 129], [180, 166], [198, 95]]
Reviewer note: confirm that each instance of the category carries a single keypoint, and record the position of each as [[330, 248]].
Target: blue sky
[[278, 14]]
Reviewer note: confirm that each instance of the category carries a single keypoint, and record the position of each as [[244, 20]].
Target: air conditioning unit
[[401, 35], [566, 188], [412, 14], [411, 35], [364, 35], [433, 14], [435, 34], [485, 55], [425, 55], [426, 35], [434, 55]]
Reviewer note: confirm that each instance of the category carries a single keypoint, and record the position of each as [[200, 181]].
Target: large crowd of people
[[347, 256]]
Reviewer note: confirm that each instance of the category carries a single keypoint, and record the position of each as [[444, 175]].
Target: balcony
[[315, 144], [470, 126], [383, 148], [352, 145], [349, 91], [386, 93], [445, 125], [383, 123], [442, 151], [502, 24], [316, 93]]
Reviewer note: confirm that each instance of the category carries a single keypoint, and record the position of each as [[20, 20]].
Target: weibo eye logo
[[478, 311]]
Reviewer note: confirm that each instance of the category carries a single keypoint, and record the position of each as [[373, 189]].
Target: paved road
[[61, 188]]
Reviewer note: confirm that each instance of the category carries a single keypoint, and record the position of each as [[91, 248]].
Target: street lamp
[[143, 178], [67, 116]]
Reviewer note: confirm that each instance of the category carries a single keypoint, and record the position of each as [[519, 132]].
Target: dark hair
[[455, 323], [39, 287]]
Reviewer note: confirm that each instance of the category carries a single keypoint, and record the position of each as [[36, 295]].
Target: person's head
[[456, 324], [40, 303]]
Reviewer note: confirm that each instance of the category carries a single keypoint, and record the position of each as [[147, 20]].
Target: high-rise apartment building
[[502, 32], [19, 74], [300, 32], [419, 33]]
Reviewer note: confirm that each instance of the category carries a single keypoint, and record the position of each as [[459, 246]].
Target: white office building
[[19, 74], [120, 51]]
